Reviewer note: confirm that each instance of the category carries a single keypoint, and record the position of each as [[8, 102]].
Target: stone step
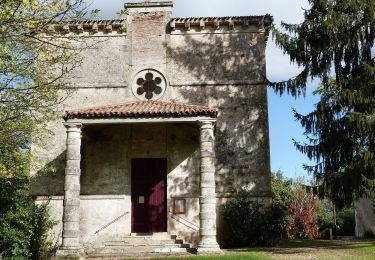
[[149, 243], [120, 251], [140, 240], [134, 250], [147, 238], [141, 244], [170, 250], [185, 245]]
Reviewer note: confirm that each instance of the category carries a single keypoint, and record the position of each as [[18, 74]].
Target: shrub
[[325, 218], [248, 223], [282, 190], [303, 211], [23, 225], [345, 222]]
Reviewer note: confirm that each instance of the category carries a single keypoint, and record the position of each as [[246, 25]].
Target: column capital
[[207, 123], [73, 126], [70, 125]]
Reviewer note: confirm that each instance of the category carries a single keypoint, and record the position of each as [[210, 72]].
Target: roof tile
[[143, 109]]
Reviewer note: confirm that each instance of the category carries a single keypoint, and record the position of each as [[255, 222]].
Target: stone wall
[[216, 59]]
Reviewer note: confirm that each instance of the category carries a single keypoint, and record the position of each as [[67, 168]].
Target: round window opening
[[149, 85]]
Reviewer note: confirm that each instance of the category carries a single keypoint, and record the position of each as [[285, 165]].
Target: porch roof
[[142, 109]]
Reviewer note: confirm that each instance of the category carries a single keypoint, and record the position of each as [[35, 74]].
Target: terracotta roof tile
[[143, 109]]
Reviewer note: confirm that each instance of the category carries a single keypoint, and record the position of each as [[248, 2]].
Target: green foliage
[[282, 190], [345, 222], [33, 65], [23, 225], [16, 218], [335, 44], [325, 218], [248, 223]]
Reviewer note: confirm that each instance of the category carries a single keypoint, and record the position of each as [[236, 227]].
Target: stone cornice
[[231, 21], [90, 26], [236, 23], [149, 4]]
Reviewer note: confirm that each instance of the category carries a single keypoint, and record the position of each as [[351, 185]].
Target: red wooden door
[[149, 193]]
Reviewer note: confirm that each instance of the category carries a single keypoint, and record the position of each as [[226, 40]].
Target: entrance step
[[141, 244]]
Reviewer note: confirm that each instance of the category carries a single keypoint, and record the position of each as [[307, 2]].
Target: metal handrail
[[110, 223], [178, 219]]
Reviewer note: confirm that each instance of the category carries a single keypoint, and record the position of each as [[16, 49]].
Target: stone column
[[72, 187], [207, 200]]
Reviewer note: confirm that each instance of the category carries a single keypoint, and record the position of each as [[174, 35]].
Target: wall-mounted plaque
[[179, 206]]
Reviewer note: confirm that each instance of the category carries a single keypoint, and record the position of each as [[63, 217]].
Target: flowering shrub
[[303, 211]]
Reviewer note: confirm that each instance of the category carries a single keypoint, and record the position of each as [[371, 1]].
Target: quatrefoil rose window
[[149, 85]]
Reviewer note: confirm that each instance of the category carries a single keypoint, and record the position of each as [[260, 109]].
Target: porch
[[144, 167]]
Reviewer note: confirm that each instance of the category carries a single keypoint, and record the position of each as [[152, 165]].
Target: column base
[[70, 253], [208, 248]]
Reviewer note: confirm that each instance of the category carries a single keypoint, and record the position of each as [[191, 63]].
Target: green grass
[[234, 256], [297, 249]]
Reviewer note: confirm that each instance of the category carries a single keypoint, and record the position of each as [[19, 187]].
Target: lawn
[[298, 250]]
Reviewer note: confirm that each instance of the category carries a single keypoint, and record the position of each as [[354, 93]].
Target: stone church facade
[[167, 121]]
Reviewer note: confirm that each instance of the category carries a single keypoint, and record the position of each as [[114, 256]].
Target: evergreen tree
[[335, 44]]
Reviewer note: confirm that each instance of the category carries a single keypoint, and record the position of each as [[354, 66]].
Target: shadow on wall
[[242, 145], [106, 151], [49, 181], [220, 58], [183, 179]]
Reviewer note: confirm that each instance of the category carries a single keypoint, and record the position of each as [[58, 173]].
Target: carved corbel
[[216, 24], [231, 24], [108, 28], [172, 24], [202, 25], [187, 26], [95, 28], [79, 28], [65, 28]]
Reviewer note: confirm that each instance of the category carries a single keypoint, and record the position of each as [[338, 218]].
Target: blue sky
[[283, 127]]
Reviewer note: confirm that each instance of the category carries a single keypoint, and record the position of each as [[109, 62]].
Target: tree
[[335, 44], [29, 88], [282, 190], [33, 64]]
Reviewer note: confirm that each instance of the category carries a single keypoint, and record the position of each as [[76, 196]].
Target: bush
[[345, 222], [303, 211], [248, 223], [23, 225], [282, 190], [325, 218]]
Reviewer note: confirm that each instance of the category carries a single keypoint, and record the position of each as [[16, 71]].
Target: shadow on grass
[[301, 246], [226, 256], [343, 244], [362, 249]]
